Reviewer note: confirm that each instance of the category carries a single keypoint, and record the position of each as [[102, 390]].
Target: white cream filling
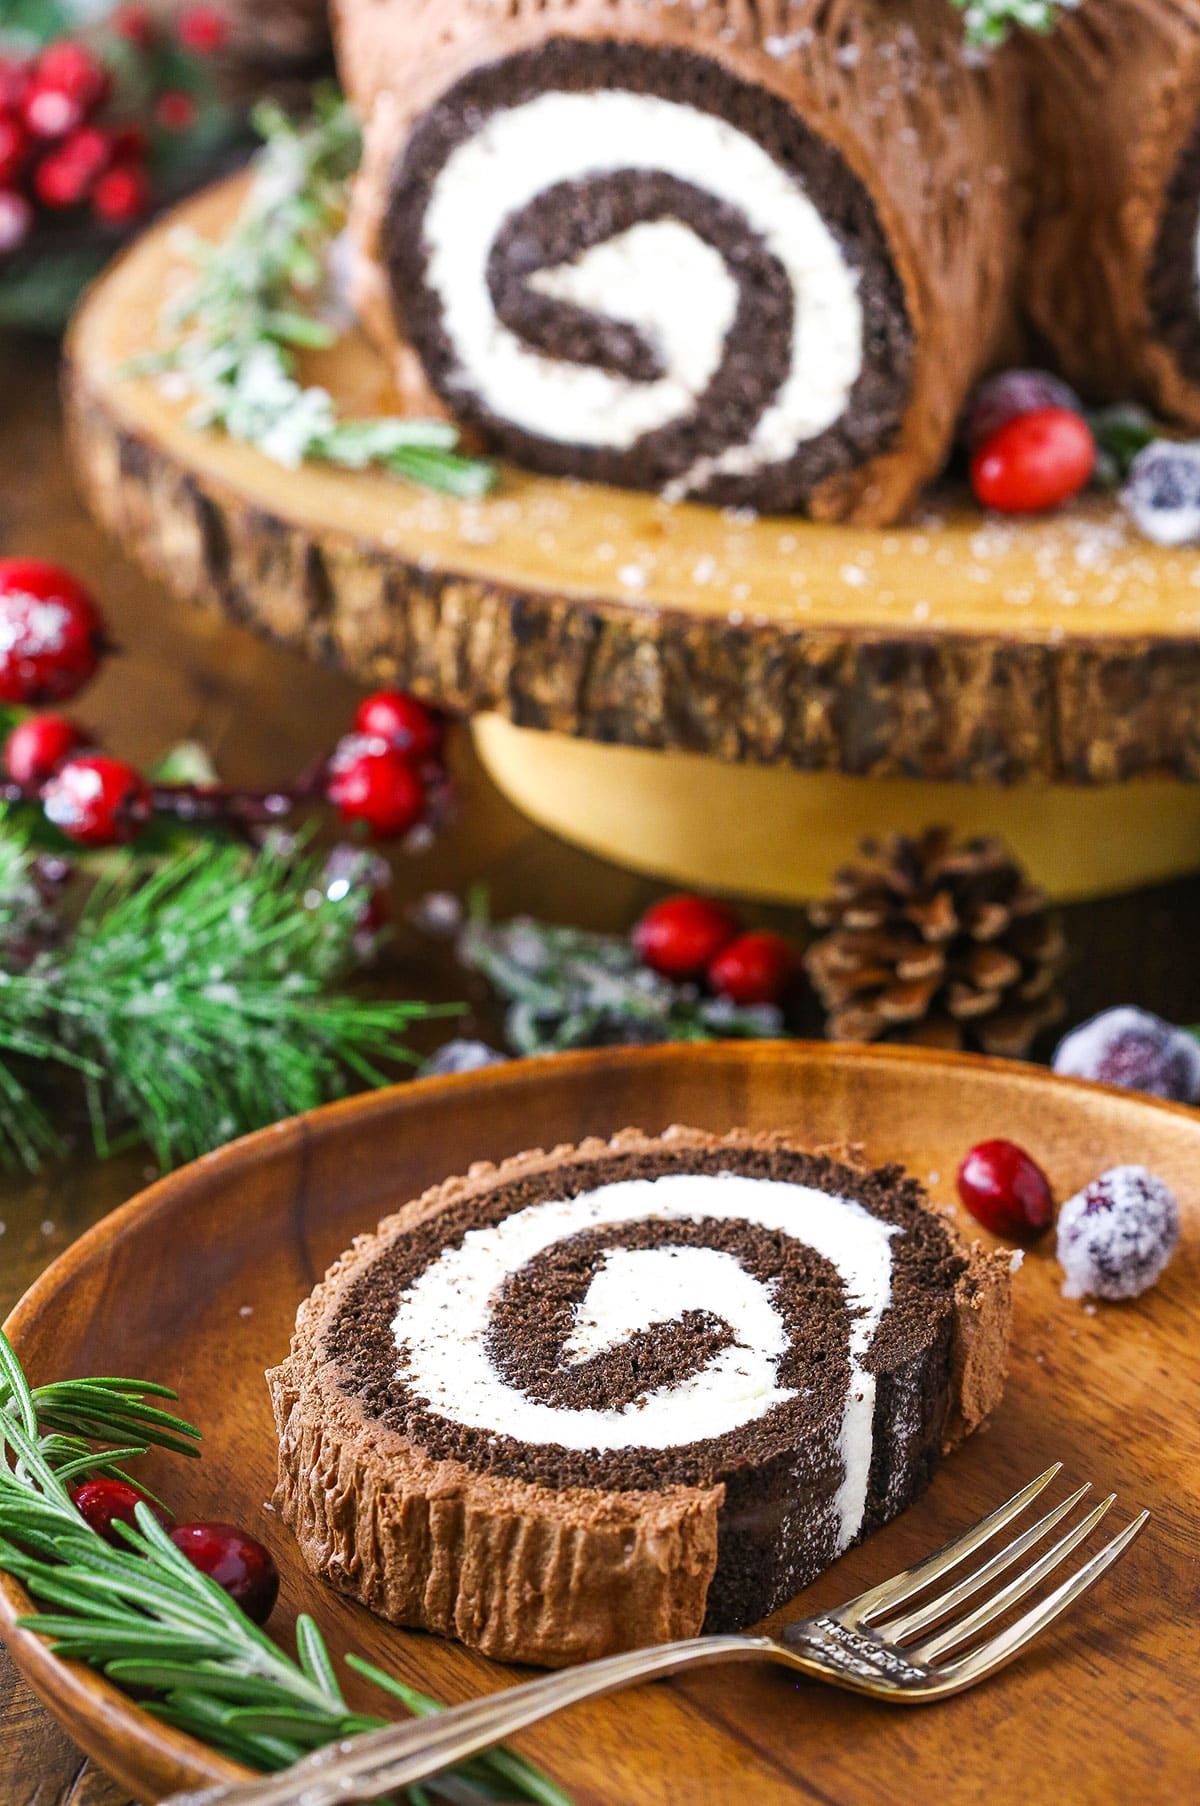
[[678, 299], [442, 1322]]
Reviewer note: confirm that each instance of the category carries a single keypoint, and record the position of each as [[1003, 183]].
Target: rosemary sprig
[[146, 1618], [990, 21], [194, 1001], [262, 294]]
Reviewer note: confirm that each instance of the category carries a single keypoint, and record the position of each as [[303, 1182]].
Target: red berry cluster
[[387, 775], [62, 150], [237, 1562], [1030, 447], [689, 937]]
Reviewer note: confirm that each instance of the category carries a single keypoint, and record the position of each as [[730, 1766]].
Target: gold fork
[[869, 1645]]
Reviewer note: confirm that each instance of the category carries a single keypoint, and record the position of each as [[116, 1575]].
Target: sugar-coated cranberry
[[1034, 462], [122, 194], [203, 30], [1006, 1190], [14, 148], [755, 968], [235, 1561], [51, 632], [97, 801], [402, 721], [1162, 492], [70, 68], [16, 220], [103, 1503], [681, 936], [1136, 1050], [1116, 1237], [368, 781], [1002, 397], [37, 747]]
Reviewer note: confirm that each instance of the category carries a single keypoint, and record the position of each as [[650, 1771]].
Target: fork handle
[[380, 1761]]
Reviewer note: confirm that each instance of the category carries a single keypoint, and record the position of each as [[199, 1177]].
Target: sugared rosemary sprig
[[147, 1618], [262, 294], [990, 21]]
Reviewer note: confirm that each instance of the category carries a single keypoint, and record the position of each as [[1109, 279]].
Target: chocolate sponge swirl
[[653, 1384]]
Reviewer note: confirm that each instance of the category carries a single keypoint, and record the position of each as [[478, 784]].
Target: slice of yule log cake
[[1115, 249], [751, 254], [620, 1393]]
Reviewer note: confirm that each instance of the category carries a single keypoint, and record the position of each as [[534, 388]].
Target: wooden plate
[[1064, 650], [197, 1281]]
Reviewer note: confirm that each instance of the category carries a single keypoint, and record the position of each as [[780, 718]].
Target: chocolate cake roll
[[751, 255], [614, 1394], [1113, 284]]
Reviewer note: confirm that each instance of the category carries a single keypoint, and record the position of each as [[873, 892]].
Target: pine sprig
[[261, 295], [146, 1618], [195, 1002]]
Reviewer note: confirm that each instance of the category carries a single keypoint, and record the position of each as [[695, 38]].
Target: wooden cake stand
[[716, 698]]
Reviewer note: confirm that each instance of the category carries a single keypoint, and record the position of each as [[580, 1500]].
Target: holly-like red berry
[[16, 76], [1006, 1190], [175, 111], [89, 149], [103, 1503], [402, 721], [37, 747], [203, 30], [133, 23], [51, 632], [49, 113], [754, 968], [97, 801], [59, 182], [235, 1561], [70, 68], [14, 148], [681, 936], [1034, 462], [122, 194], [16, 220], [369, 781]]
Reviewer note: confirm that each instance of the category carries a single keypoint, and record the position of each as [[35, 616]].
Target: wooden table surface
[[264, 713]]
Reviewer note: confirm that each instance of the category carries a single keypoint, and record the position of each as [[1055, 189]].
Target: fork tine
[[891, 1593], [932, 1648], [1008, 1643], [896, 1629]]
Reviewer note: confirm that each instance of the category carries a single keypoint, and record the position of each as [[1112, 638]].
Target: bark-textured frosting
[[537, 1551], [1112, 264], [909, 156]]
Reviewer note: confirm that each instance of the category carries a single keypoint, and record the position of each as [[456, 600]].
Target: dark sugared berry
[[402, 721], [1162, 493], [1006, 1190], [97, 801], [122, 194], [1003, 397], [1116, 1236], [368, 781], [1136, 1050], [103, 1503], [37, 747], [754, 968], [681, 936], [1035, 462], [51, 632], [235, 1561]]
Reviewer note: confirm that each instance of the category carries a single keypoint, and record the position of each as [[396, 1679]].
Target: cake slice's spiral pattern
[[629, 264]]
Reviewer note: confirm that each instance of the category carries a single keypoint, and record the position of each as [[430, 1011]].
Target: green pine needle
[[195, 1002], [147, 1619]]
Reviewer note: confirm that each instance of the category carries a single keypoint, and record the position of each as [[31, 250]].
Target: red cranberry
[[88, 149], [369, 781], [37, 747], [1006, 1190], [51, 632], [68, 68], [49, 113], [133, 23], [402, 721], [16, 75], [16, 220], [175, 111], [681, 936], [1034, 462], [235, 1561], [103, 1503], [203, 30], [14, 146], [122, 194], [97, 801], [755, 968], [59, 182]]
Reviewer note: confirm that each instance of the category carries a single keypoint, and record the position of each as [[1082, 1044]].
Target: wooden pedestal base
[[771, 832]]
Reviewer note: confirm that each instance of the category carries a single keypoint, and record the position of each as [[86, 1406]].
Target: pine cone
[[944, 945]]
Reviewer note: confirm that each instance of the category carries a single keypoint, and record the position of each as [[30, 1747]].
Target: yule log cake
[[615, 1394], [751, 254]]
